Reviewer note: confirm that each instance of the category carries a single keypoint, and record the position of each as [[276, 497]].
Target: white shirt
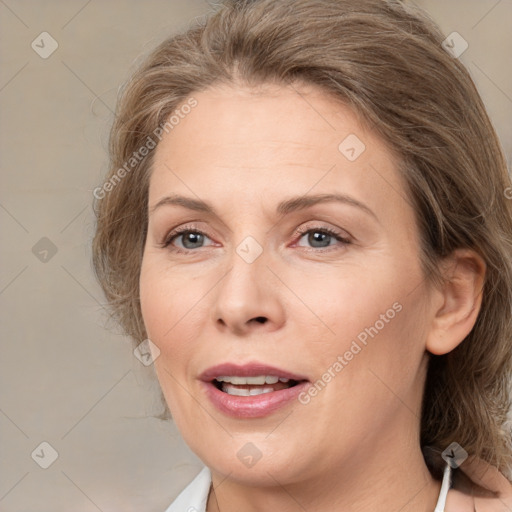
[[193, 498]]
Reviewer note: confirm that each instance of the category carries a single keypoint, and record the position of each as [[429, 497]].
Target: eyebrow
[[285, 207]]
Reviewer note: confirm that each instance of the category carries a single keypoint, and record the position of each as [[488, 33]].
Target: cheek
[[166, 303], [169, 321], [376, 323], [174, 309], [355, 307]]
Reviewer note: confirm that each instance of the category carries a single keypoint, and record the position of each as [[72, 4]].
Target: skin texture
[[244, 151]]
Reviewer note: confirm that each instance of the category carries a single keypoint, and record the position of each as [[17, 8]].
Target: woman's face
[[300, 261]]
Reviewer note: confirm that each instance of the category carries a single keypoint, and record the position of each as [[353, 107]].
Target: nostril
[[260, 319]]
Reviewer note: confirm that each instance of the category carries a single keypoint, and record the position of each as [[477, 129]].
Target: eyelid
[[175, 232], [336, 232]]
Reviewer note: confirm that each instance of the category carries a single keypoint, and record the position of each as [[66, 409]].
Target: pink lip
[[247, 370], [256, 406]]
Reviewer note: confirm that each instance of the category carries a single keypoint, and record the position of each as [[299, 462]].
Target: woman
[[306, 214]]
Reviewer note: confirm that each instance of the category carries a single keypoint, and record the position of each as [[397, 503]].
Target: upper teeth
[[259, 380]]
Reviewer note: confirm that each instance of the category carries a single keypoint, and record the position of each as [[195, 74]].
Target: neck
[[392, 478]]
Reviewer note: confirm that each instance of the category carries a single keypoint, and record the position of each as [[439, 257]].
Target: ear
[[457, 302]]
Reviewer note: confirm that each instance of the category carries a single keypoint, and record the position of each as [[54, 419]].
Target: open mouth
[[252, 386], [251, 390]]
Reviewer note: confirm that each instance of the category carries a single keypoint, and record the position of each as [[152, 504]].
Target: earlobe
[[460, 298]]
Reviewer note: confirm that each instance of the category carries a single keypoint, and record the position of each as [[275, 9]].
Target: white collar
[[445, 487], [194, 497]]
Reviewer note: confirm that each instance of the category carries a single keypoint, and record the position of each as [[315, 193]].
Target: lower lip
[[256, 406]]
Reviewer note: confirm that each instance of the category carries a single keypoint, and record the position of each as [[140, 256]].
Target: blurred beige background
[[64, 379]]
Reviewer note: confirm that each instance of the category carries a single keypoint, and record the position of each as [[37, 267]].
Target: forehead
[[273, 140], [235, 123]]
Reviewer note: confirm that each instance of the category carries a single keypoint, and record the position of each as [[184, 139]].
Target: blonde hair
[[385, 60]]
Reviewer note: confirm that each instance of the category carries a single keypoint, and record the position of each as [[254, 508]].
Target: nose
[[249, 298]]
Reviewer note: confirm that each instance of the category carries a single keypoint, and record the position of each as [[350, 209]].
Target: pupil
[[318, 236], [194, 238]]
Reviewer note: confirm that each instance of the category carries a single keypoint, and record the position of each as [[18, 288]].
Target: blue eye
[[319, 238], [191, 239]]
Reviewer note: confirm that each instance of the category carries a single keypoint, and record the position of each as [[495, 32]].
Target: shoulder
[[479, 486], [194, 497]]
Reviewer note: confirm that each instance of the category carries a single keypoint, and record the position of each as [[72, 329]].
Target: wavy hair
[[385, 60]]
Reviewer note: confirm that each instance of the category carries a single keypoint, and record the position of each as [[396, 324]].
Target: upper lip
[[247, 370]]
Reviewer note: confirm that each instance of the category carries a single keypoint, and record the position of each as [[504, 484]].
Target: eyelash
[[328, 231], [299, 233]]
